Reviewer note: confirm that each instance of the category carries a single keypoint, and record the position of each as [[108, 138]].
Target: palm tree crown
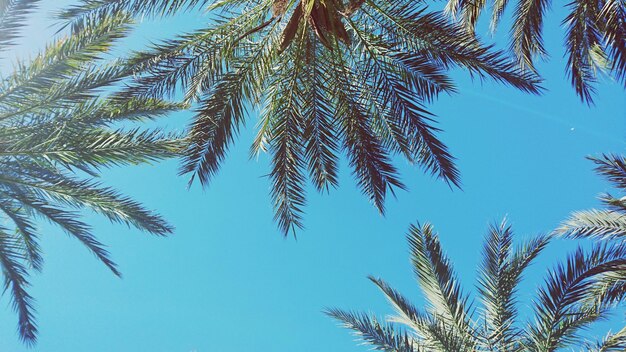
[[575, 294], [331, 76], [57, 129], [595, 39]]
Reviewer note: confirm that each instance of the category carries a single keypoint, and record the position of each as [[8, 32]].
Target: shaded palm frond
[[612, 22], [612, 167], [583, 44], [16, 282], [560, 310], [526, 32], [595, 38], [13, 13], [319, 134]]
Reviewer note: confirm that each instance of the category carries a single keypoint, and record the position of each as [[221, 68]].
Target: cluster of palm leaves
[[602, 224], [575, 294], [58, 128], [331, 77], [595, 39]]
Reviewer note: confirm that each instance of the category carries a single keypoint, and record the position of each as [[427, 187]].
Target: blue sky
[[228, 281]]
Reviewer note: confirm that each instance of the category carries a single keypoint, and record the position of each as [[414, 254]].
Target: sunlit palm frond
[[381, 336], [609, 223], [60, 124], [500, 274], [601, 224], [584, 289], [438, 281], [611, 343]]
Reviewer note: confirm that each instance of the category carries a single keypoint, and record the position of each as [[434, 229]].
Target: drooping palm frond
[[329, 77], [613, 168], [560, 310], [609, 223], [59, 125], [595, 39], [577, 293]]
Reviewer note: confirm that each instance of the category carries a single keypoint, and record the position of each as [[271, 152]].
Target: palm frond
[[319, 123], [526, 32], [612, 167], [13, 13], [599, 224], [59, 125], [380, 336], [585, 53], [560, 309], [97, 9], [16, 281], [612, 21], [611, 343], [501, 272], [437, 279]]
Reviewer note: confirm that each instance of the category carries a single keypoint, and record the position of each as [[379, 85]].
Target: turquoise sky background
[[228, 281]]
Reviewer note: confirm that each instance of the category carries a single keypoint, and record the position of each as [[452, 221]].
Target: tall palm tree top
[[330, 77], [575, 294], [57, 130]]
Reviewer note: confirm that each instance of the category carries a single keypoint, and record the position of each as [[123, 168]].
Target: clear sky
[[228, 281]]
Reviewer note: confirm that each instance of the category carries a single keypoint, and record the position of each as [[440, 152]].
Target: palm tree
[[575, 294], [595, 38], [57, 130], [609, 223], [331, 77]]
